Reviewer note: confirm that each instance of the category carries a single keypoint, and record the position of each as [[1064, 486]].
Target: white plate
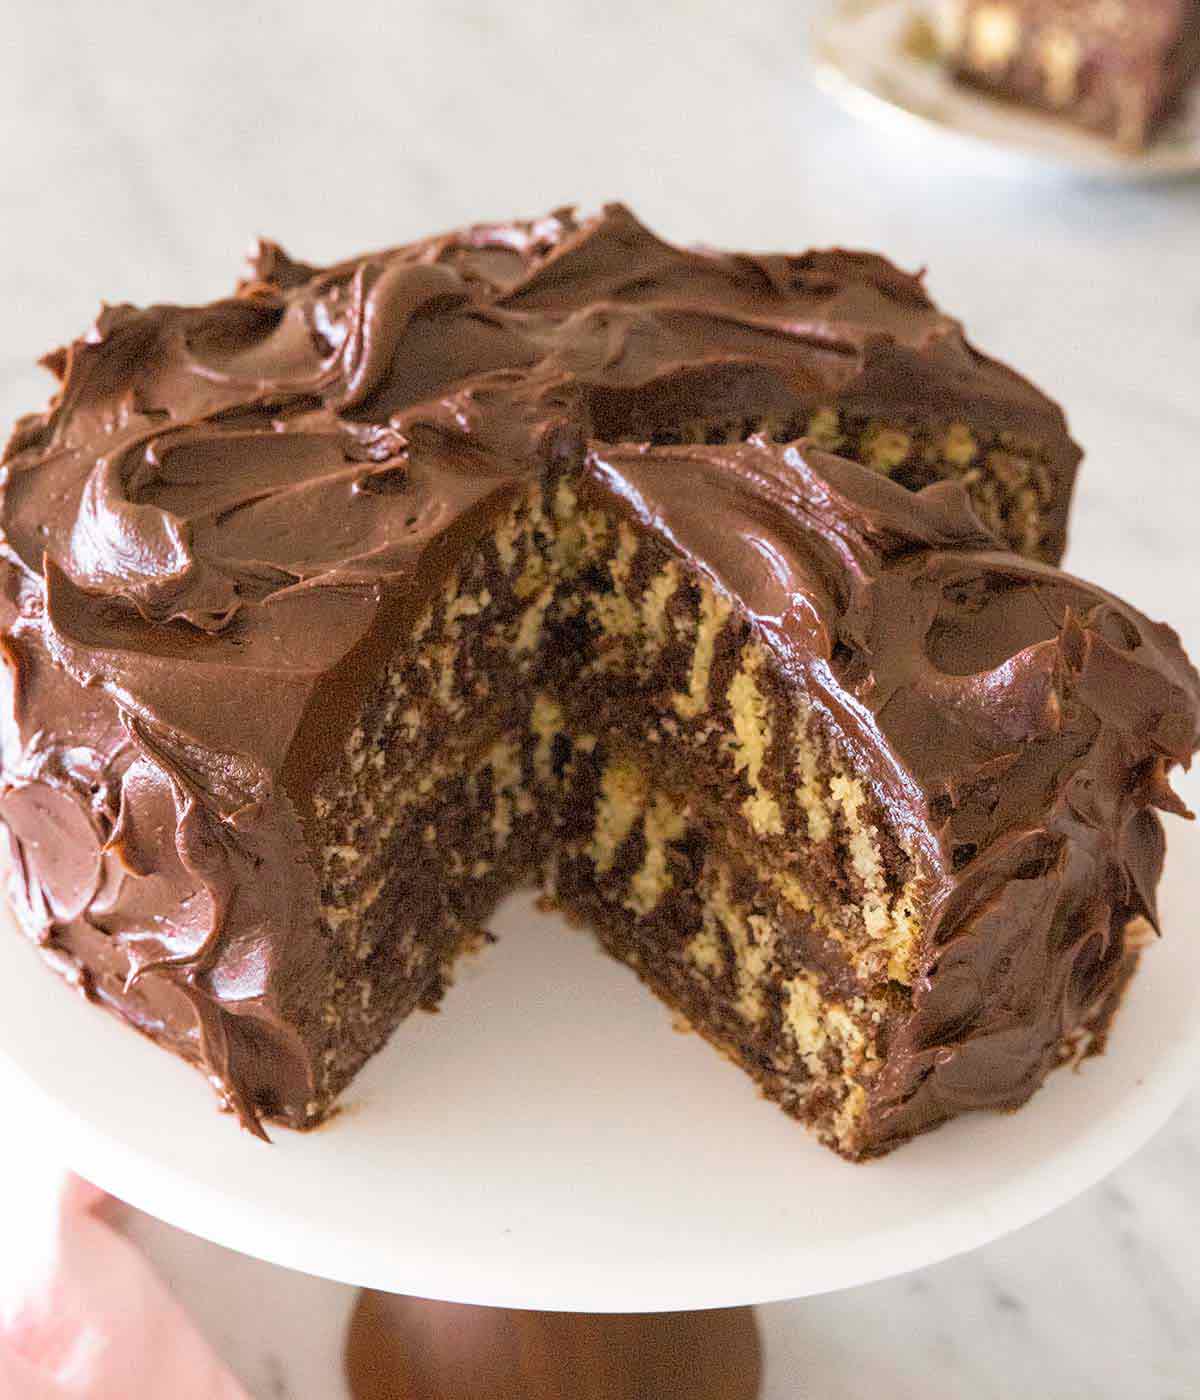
[[549, 1141], [871, 56]]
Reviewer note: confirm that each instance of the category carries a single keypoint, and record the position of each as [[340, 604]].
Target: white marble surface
[[142, 146]]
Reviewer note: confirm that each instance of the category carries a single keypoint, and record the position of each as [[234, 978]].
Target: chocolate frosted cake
[[336, 610], [1119, 67]]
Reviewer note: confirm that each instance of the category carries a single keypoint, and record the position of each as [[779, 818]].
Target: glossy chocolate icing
[[218, 529]]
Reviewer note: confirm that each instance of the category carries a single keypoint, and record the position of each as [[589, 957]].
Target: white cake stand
[[548, 1141]]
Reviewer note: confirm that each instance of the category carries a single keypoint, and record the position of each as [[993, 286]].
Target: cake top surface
[[226, 507], [222, 495]]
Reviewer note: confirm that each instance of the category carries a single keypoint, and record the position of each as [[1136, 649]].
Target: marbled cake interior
[[1007, 476], [717, 841]]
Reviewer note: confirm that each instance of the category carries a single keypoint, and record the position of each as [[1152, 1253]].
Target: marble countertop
[[141, 147]]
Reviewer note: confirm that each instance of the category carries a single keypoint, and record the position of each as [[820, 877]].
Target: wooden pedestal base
[[410, 1349]]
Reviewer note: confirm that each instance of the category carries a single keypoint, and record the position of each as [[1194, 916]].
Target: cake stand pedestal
[[400, 1348]]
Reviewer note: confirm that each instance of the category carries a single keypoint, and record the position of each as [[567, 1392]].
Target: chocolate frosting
[[227, 514]]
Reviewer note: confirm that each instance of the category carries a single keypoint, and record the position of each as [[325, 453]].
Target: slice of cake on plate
[[1118, 67]]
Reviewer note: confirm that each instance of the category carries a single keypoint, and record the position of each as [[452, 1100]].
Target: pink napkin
[[83, 1315]]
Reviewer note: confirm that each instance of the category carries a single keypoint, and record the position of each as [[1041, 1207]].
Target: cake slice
[[1118, 67], [339, 609]]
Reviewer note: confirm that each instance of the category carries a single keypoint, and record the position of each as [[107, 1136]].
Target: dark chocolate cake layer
[[331, 617], [1118, 67]]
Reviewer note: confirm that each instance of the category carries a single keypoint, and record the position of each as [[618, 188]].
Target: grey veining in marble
[[142, 146]]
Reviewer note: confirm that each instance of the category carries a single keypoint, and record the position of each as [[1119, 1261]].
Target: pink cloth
[[83, 1315]]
